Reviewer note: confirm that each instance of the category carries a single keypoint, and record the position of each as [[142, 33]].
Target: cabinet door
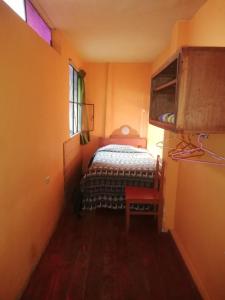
[[202, 89]]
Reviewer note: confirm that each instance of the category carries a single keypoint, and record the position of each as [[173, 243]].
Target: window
[[35, 21], [74, 105], [18, 7], [28, 13]]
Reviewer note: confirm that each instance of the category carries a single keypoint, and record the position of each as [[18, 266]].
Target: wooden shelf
[[192, 88], [165, 85], [163, 125]]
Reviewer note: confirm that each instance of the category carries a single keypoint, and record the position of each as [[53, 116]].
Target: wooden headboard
[[136, 142], [125, 135]]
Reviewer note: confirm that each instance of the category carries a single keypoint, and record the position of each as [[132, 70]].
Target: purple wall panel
[[37, 23]]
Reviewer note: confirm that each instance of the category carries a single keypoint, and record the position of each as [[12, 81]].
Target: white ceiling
[[119, 30]]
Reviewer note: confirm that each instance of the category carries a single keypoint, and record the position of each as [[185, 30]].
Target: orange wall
[[96, 81], [33, 127], [195, 201], [121, 95]]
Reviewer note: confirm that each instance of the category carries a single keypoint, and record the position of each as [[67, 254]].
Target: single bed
[[112, 167]]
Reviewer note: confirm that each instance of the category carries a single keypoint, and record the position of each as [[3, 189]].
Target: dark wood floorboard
[[92, 257]]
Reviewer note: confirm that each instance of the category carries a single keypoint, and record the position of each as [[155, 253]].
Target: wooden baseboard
[[190, 266]]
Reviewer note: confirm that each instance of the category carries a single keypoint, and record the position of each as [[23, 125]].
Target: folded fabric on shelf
[[167, 117]]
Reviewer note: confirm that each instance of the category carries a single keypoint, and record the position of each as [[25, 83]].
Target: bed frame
[[125, 135]]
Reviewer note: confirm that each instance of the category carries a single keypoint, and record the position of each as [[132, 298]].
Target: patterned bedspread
[[113, 167]]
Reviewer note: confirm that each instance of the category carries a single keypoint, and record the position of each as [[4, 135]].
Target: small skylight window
[[31, 16], [17, 6], [37, 23]]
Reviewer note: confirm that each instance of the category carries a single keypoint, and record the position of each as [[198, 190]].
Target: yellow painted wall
[[195, 199], [33, 127], [121, 95]]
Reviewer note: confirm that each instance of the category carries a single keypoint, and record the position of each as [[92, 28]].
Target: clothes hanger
[[199, 150], [186, 149]]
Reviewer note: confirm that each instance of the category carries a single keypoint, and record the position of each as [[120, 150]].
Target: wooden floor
[[92, 258]]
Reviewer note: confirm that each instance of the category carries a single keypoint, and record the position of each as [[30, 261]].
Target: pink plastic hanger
[[186, 153]]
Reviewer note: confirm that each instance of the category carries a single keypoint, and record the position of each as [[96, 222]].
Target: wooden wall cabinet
[[188, 93]]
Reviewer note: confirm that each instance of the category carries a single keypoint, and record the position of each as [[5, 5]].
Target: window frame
[[75, 103]]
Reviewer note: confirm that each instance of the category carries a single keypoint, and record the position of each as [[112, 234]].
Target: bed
[[113, 166]]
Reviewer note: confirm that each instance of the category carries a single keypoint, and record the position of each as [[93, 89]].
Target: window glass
[[35, 21], [75, 91], [79, 116], [75, 118], [70, 83], [17, 6]]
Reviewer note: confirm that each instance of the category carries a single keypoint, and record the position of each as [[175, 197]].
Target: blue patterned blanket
[[113, 167]]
